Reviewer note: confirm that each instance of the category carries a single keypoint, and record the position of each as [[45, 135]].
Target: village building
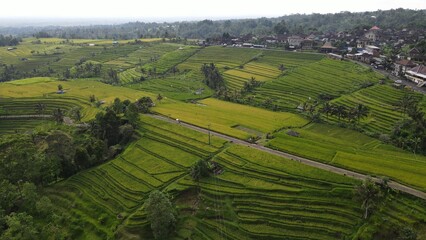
[[270, 39], [401, 66], [362, 42], [295, 41], [307, 44], [327, 48], [372, 50], [373, 34], [417, 75]]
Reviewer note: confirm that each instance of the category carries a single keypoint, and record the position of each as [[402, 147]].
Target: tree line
[[9, 40], [291, 24]]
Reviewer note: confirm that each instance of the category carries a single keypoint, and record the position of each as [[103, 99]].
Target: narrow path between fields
[[341, 171]]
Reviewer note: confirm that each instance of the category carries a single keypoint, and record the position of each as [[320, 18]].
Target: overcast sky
[[156, 10]]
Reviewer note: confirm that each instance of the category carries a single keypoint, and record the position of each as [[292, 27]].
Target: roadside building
[[417, 75], [401, 66], [373, 50]]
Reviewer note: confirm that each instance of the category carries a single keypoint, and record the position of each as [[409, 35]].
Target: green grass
[[225, 117], [353, 150]]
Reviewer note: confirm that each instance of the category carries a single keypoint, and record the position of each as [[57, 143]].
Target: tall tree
[[58, 115], [361, 111], [369, 194], [161, 214]]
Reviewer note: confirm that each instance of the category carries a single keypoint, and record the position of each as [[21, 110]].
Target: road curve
[[341, 171]]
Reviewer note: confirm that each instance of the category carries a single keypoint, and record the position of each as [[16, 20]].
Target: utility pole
[[209, 134]]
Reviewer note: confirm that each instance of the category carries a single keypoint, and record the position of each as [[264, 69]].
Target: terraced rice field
[[11, 126], [236, 78], [262, 196], [171, 59], [353, 150], [119, 187], [129, 75], [382, 101], [306, 82], [257, 195], [180, 87], [21, 96], [146, 52], [229, 118]]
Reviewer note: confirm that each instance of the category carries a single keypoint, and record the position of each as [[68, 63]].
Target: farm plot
[[149, 52], [227, 117], [353, 150], [382, 101], [308, 81], [222, 57], [171, 59], [183, 86], [12, 126], [129, 75], [21, 96]]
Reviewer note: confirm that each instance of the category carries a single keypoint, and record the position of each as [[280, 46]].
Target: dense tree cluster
[[212, 76], [161, 214], [9, 40], [410, 133], [30, 162]]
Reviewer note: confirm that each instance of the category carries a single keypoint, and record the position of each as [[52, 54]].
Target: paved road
[[341, 171]]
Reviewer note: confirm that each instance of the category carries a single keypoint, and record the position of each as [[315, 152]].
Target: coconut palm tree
[[340, 111], [361, 111], [58, 115], [40, 108], [369, 194], [327, 109]]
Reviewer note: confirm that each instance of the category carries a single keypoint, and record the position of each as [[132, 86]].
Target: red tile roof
[[375, 28]]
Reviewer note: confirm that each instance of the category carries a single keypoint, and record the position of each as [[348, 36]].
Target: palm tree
[[281, 67], [362, 111], [40, 108], [159, 97], [327, 109], [340, 111], [58, 115], [405, 102], [369, 194]]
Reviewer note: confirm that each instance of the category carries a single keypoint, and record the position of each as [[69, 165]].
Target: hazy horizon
[[80, 12]]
